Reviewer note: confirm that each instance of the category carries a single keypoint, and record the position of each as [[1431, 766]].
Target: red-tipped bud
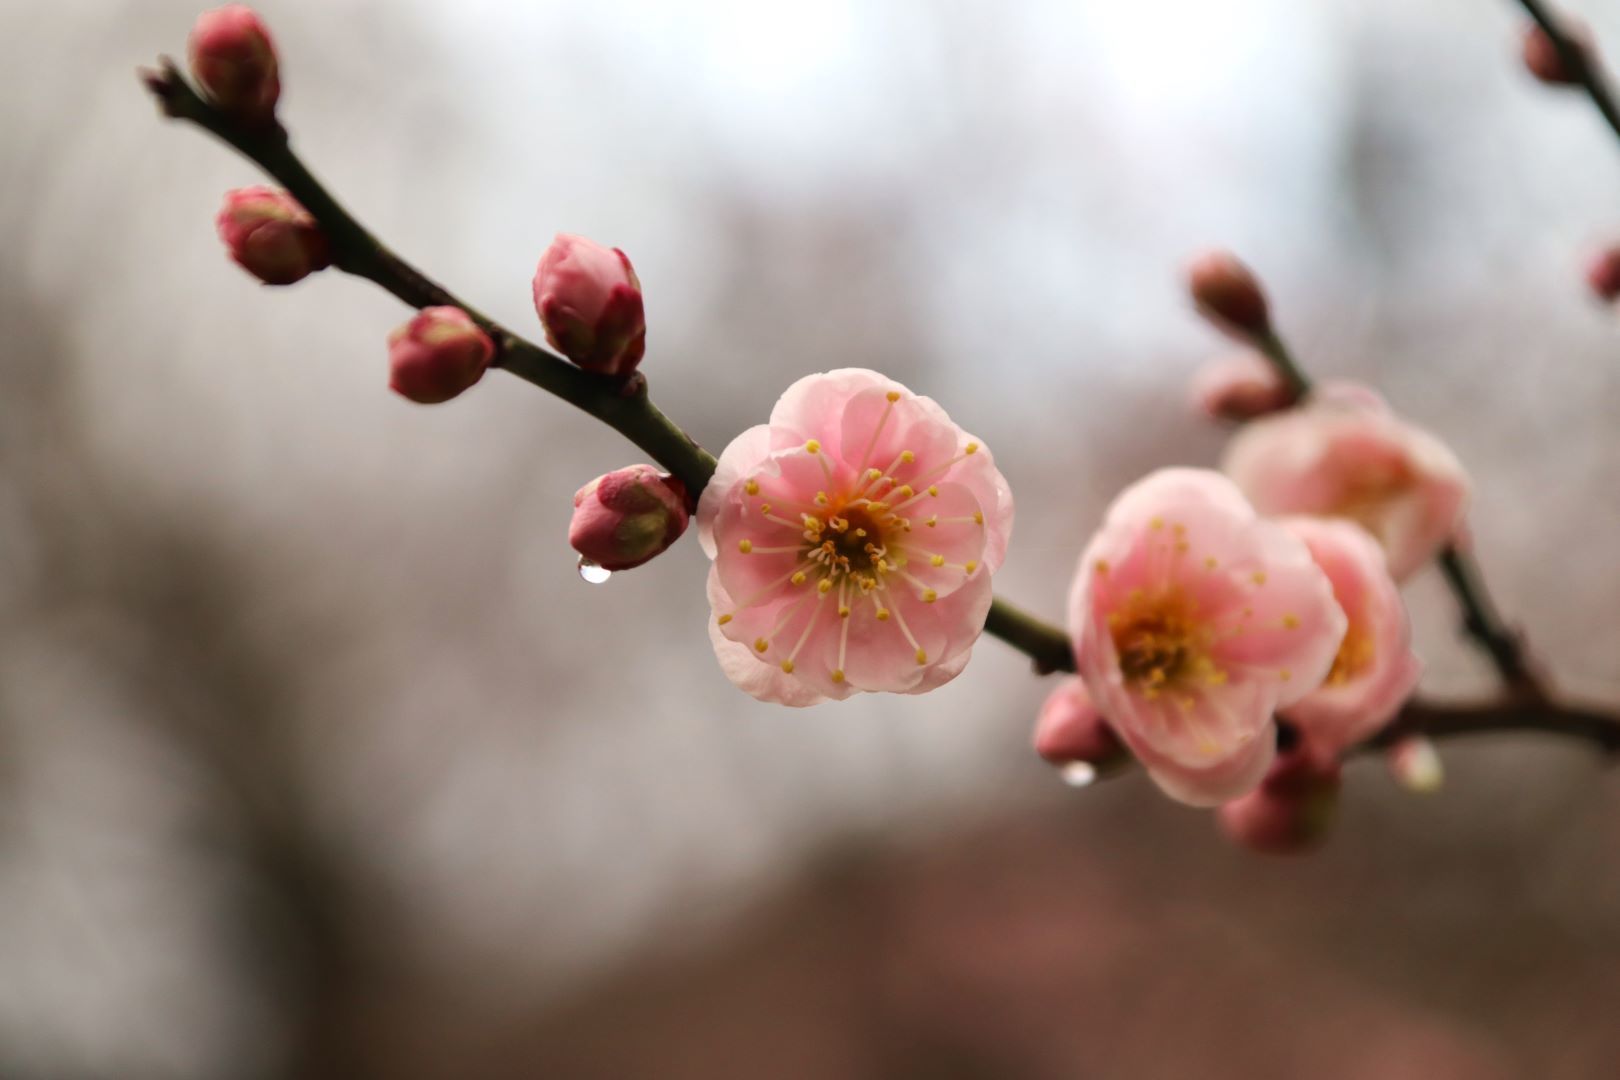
[[271, 236], [628, 516], [1603, 275], [589, 300], [437, 355], [1229, 295], [1292, 809], [1543, 59], [1069, 731], [234, 61], [1239, 388]]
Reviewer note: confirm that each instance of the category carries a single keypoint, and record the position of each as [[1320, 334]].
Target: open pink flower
[[1346, 454], [1375, 670], [853, 539], [1194, 620]]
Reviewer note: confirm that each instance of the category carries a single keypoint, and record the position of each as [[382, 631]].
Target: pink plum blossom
[[271, 236], [853, 539], [234, 61], [589, 299], [623, 519], [1240, 387], [437, 355], [1375, 670], [1346, 454], [1069, 728], [1194, 620]]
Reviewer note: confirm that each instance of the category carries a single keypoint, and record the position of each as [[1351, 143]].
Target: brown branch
[[1578, 60]]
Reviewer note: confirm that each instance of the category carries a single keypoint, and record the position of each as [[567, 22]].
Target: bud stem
[[1579, 62]]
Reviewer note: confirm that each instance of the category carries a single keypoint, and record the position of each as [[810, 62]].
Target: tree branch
[[1578, 60]]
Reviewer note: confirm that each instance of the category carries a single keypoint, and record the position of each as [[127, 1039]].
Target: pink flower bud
[[1292, 810], [1239, 388], [437, 355], [271, 236], [234, 62], [1603, 275], [1415, 764], [1069, 728], [1543, 60], [1229, 295], [626, 517], [589, 300]]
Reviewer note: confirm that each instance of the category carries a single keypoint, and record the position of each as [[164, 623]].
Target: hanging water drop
[[593, 573], [1079, 774]]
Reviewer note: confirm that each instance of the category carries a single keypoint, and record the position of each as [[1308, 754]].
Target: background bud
[[1241, 387], [589, 299], [271, 236], [1292, 809], [1415, 764], [1542, 58], [1069, 728], [628, 516], [1228, 294], [234, 61], [1603, 275], [437, 355]]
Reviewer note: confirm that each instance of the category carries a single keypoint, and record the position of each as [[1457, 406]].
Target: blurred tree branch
[[1578, 60]]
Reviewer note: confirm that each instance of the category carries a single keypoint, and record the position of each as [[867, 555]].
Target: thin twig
[[1579, 60]]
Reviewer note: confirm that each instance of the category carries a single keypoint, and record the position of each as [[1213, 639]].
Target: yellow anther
[[838, 675], [1102, 566], [1181, 547], [893, 396], [932, 521], [821, 498], [929, 596], [1210, 563], [859, 533], [752, 487], [1258, 577], [764, 508], [978, 517], [907, 456], [937, 560], [970, 566], [877, 507], [824, 586], [787, 667], [1156, 524], [933, 489], [904, 492], [722, 620], [813, 447], [882, 614], [745, 546], [843, 611], [1290, 622], [799, 578], [922, 657], [971, 448], [1285, 674], [873, 474], [760, 644]]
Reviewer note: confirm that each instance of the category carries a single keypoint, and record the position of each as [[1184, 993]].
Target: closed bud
[[1069, 729], [234, 61], [1239, 388], [628, 516], [1292, 810], [437, 355], [1603, 275], [1543, 59], [271, 236], [589, 300], [1229, 295], [1415, 764]]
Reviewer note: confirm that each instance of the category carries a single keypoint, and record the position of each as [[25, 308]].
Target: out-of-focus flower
[[1228, 294], [1375, 670], [1194, 620], [1603, 275], [1240, 387], [234, 61], [437, 355], [271, 236], [1542, 58], [1416, 765], [589, 300], [628, 516], [1070, 729], [1345, 454], [853, 539], [1291, 811]]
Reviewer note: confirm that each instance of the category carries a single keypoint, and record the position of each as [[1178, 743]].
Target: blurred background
[[318, 759]]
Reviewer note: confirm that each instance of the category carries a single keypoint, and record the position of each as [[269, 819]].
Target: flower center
[[1354, 657], [1161, 643]]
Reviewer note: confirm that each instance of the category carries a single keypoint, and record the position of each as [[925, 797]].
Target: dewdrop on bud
[[271, 236], [626, 517], [1072, 735], [1603, 275], [1241, 387], [1291, 812], [589, 300], [1415, 764], [234, 61], [1543, 60], [1229, 295], [437, 355]]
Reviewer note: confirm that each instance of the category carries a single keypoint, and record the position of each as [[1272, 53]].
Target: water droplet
[[592, 573], [1078, 774]]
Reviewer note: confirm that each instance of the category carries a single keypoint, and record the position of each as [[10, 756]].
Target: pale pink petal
[[740, 458]]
